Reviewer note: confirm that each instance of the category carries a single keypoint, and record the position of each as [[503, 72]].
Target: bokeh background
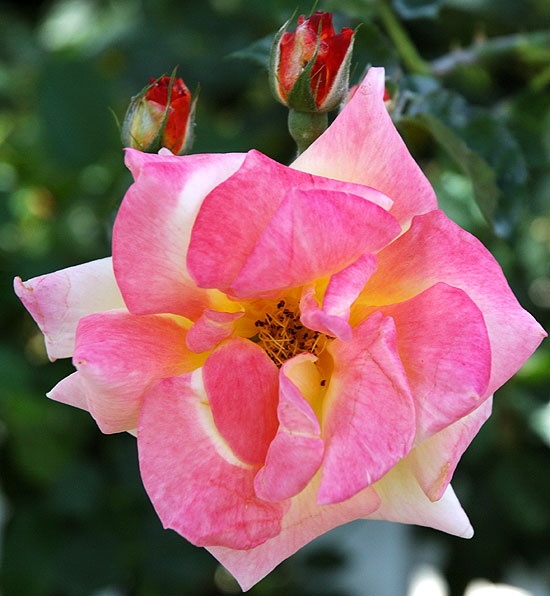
[[471, 80]]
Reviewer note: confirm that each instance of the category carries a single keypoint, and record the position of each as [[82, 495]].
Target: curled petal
[[434, 461], [434, 250], [57, 301], [119, 356], [404, 501], [242, 387], [196, 484], [368, 412], [211, 328], [233, 216], [295, 453], [362, 145], [71, 391], [314, 317], [342, 290], [152, 229]]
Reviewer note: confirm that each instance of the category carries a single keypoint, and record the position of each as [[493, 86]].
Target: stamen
[[282, 335]]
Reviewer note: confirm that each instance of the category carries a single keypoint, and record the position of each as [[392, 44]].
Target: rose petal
[[311, 235], [304, 521], [296, 452], [196, 484], [233, 216], [368, 411], [435, 250], [152, 229], [57, 301], [211, 328], [404, 501], [444, 347], [241, 382], [342, 290], [363, 146], [70, 391], [119, 356], [434, 461], [313, 317]]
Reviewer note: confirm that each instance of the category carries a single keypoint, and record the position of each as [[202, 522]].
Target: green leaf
[[477, 139], [257, 52], [481, 175]]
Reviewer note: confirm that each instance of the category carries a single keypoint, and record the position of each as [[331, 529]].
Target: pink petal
[[435, 250], [342, 290], [313, 317], [404, 501], [210, 329], [363, 146], [196, 484], [119, 356], [71, 391], [153, 226], [368, 412], [313, 234], [444, 347], [233, 216], [296, 452], [304, 521], [57, 301], [434, 461], [241, 382]]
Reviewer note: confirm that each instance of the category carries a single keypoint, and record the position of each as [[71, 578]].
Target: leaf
[[257, 52], [480, 173], [477, 139]]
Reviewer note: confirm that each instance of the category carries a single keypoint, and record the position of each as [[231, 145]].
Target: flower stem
[[305, 127], [408, 52]]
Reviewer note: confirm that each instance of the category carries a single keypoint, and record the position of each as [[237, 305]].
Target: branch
[[489, 48]]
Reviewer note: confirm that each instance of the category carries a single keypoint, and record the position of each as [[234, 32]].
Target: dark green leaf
[[479, 172]]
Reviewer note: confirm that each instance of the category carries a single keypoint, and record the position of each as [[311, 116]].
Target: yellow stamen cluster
[[282, 335]]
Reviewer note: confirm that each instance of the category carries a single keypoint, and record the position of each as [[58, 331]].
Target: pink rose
[[296, 347]]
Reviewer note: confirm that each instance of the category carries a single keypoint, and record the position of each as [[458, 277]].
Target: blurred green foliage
[[471, 81]]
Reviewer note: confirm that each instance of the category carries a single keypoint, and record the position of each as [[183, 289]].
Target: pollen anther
[[282, 335]]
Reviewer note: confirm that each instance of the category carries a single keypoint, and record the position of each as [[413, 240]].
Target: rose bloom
[[294, 347]]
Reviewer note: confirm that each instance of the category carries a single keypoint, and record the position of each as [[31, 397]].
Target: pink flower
[[296, 347]]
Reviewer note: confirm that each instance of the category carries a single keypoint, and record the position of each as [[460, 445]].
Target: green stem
[[408, 52], [305, 127]]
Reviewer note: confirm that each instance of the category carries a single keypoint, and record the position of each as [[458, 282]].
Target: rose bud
[[309, 69], [161, 115]]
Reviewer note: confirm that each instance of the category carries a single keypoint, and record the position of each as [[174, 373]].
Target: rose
[[296, 347], [309, 68], [161, 115]]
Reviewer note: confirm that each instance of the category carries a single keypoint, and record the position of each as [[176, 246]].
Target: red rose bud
[[161, 115], [309, 69]]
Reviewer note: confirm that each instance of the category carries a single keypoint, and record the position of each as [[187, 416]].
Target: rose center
[[282, 335]]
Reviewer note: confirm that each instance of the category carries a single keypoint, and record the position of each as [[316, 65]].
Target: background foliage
[[471, 80]]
